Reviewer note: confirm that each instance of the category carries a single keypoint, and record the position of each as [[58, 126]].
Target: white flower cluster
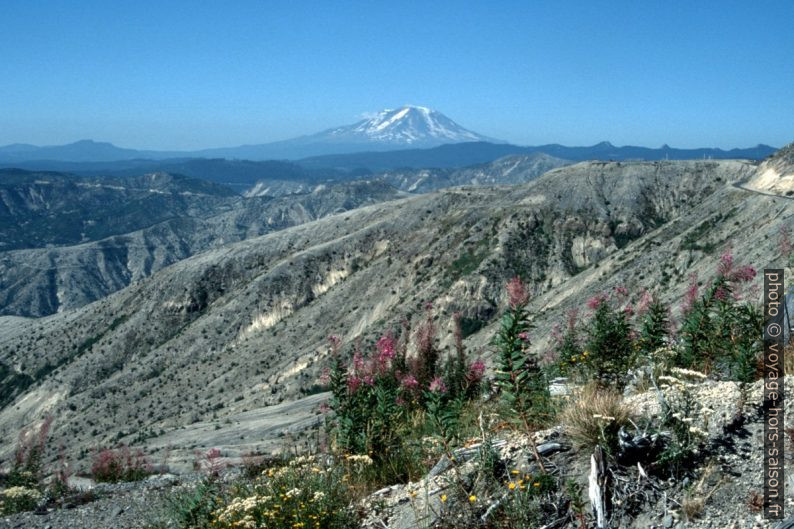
[[302, 461], [21, 493], [689, 373], [677, 392], [359, 459], [238, 507]]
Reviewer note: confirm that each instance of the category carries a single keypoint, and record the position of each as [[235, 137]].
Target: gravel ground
[[118, 506]]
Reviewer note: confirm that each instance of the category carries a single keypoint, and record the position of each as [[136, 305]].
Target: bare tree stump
[[598, 487]]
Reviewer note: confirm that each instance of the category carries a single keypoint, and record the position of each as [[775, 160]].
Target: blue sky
[[183, 75]]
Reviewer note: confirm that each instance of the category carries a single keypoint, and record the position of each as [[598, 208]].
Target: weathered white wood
[[597, 489]]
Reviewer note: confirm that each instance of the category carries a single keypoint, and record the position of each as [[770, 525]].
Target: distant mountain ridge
[[398, 131], [464, 154], [407, 126]]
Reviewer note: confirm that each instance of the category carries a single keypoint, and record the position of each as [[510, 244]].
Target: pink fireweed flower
[[517, 294], [386, 347], [353, 383], [721, 294], [524, 335], [409, 383], [629, 309], [644, 303], [325, 378], [437, 386], [621, 291], [426, 336], [744, 274], [358, 362], [726, 264], [368, 380], [596, 301], [476, 371]]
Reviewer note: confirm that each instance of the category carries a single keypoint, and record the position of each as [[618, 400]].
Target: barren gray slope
[[516, 169], [42, 281]]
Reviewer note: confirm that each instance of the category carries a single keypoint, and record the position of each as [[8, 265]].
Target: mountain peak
[[408, 125]]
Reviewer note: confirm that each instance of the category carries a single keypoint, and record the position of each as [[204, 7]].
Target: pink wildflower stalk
[[725, 265], [387, 348], [517, 294], [596, 301], [437, 386], [721, 294], [644, 303], [744, 274], [476, 371], [353, 383], [334, 342], [409, 383]]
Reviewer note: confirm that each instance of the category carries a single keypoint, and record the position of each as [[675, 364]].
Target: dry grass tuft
[[694, 501], [594, 416]]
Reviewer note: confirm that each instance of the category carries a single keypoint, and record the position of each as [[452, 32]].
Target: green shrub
[[19, 499], [192, 508], [720, 332]]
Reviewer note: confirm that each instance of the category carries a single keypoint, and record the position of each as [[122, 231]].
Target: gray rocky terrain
[[41, 279], [223, 348], [244, 325], [515, 169]]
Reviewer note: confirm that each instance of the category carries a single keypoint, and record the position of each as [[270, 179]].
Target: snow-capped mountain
[[408, 126]]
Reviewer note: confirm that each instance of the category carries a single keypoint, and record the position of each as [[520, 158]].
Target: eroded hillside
[[43, 280], [243, 326]]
